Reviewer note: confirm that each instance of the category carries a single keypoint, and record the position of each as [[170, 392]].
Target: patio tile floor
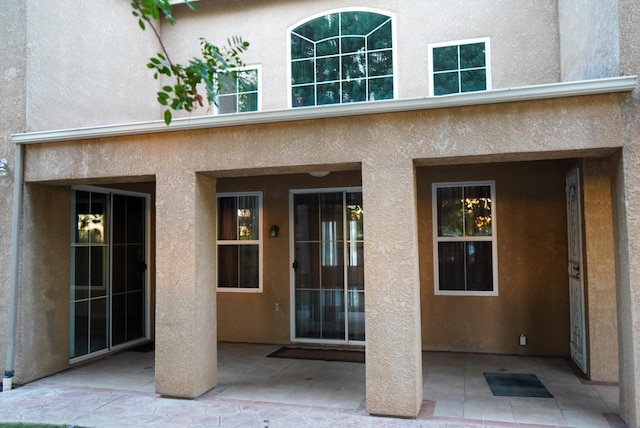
[[118, 391]]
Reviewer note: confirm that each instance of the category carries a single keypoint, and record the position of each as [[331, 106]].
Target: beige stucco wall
[[43, 321], [386, 154], [86, 65], [589, 39], [12, 119], [43, 318], [516, 29], [186, 335], [251, 317], [71, 71], [531, 227], [599, 270], [94, 70], [627, 228]]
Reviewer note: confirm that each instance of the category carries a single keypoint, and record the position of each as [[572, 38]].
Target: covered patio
[[295, 392]]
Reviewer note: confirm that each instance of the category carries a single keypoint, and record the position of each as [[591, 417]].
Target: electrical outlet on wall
[[277, 307], [523, 340]]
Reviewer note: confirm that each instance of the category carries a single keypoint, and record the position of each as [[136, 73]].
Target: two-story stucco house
[[400, 175]]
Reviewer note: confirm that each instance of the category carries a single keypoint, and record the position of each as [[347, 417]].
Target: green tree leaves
[[186, 81]]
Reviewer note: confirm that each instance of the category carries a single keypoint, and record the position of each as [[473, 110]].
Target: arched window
[[342, 57]]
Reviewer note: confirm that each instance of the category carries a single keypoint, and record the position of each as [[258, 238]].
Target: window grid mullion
[[466, 242], [363, 94], [459, 77]]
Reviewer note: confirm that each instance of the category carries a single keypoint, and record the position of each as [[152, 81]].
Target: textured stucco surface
[[539, 129], [12, 119], [533, 299], [599, 270], [186, 347], [516, 28], [43, 321], [86, 65], [628, 223], [589, 39], [251, 317], [386, 146], [392, 286], [90, 73]]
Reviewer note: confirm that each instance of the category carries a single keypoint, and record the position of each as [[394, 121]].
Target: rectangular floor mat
[[344, 355], [516, 385]]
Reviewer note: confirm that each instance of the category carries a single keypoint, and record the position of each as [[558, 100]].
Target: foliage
[[183, 91]]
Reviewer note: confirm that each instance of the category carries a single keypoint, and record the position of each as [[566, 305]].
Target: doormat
[[343, 355], [146, 347], [516, 385]]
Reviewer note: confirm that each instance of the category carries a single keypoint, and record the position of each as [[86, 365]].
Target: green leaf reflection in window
[[460, 68], [342, 57]]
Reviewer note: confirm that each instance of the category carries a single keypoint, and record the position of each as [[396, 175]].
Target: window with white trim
[[239, 92], [342, 57], [465, 245], [457, 67], [239, 242]]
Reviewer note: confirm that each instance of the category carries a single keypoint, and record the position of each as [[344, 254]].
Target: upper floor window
[[239, 92], [464, 245], [460, 66], [239, 242], [342, 57]]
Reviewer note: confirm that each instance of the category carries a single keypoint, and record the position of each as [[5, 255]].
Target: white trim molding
[[496, 96]]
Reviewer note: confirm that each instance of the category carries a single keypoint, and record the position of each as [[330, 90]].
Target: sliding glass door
[[328, 266], [108, 270]]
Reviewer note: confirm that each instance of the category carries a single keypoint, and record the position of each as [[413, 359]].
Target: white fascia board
[[524, 93]]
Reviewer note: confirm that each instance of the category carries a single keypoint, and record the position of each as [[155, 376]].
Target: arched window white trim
[[323, 76]]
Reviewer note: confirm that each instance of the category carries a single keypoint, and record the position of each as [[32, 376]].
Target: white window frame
[[394, 49], [258, 69], [487, 65], [437, 239], [258, 242]]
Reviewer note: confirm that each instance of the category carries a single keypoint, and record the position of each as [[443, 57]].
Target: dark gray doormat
[[146, 347], [516, 385], [348, 356]]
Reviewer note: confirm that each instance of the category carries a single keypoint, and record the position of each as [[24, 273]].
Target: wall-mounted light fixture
[[319, 174], [273, 232], [4, 169]]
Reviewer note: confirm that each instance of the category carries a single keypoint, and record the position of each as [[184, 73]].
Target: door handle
[[294, 265]]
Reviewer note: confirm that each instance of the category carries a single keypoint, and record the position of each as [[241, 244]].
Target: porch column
[[628, 223], [186, 330], [627, 231], [393, 351], [600, 270]]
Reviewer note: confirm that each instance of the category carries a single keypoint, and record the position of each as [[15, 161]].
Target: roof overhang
[[524, 93]]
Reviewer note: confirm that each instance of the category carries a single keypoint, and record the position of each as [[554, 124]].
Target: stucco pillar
[[628, 278], [43, 304], [393, 351], [600, 270], [186, 348], [627, 227]]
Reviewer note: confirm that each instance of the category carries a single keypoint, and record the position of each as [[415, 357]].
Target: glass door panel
[[108, 274], [129, 266], [333, 316], [89, 276], [356, 315], [99, 333], [322, 280]]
